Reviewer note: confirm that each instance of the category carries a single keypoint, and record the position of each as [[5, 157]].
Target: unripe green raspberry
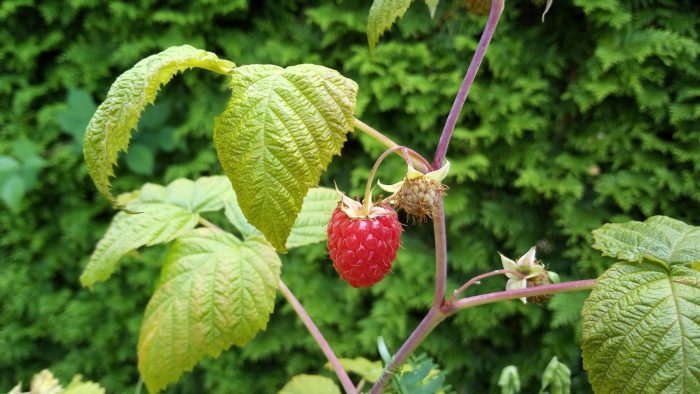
[[419, 196]]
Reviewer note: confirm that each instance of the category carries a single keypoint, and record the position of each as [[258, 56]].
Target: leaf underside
[[641, 330], [216, 291], [109, 130], [165, 213], [277, 135], [382, 15], [659, 238]]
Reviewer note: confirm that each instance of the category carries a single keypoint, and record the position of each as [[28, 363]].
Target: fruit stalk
[[320, 340], [491, 23], [417, 160]]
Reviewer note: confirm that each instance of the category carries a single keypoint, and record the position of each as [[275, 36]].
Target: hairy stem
[[430, 321], [440, 255], [494, 16], [320, 340], [419, 162], [482, 299], [477, 278]]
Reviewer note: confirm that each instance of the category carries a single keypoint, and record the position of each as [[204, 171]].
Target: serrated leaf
[[216, 291], [310, 384], [509, 381], [368, 370], [109, 130], [659, 238], [310, 225], [277, 135], [382, 15], [165, 213], [641, 330], [556, 378]]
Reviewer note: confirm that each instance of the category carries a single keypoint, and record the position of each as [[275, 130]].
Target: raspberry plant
[[278, 133]]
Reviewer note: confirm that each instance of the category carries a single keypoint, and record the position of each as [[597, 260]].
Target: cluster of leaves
[[581, 130], [45, 383]]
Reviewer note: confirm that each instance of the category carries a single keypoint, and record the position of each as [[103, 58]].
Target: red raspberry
[[363, 248]]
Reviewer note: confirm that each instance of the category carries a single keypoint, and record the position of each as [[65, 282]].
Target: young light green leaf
[[368, 370], [509, 381], [659, 238], [216, 291], [77, 386], [310, 384], [236, 217], [382, 15], [556, 378], [432, 6], [277, 135], [109, 130], [165, 213], [641, 330], [157, 223]]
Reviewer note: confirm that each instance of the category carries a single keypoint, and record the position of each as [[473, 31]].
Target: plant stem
[[482, 299], [480, 277], [429, 322], [370, 179], [320, 340], [419, 162], [494, 16], [440, 255]]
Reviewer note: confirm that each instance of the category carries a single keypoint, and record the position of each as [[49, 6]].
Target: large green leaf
[[109, 130], [382, 15], [216, 291], [641, 330], [310, 225], [166, 212], [310, 384], [277, 135], [659, 238]]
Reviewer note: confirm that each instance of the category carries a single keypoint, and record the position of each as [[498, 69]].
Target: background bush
[[591, 117]]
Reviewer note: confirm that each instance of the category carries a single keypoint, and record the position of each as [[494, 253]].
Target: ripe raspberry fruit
[[363, 245]]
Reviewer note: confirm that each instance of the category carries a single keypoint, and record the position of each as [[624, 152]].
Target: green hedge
[[590, 117]]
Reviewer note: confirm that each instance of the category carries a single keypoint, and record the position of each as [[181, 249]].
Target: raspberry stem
[[367, 202], [417, 160], [494, 16], [477, 278]]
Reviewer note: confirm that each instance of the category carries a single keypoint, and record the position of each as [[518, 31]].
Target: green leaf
[[310, 384], [12, 192], [140, 160], [216, 291], [382, 15], [509, 381], [368, 370], [166, 213], [75, 118], [77, 386], [556, 378], [659, 238], [309, 227], [277, 135], [109, 130], [8, 166], [641, 330], [432, 6]]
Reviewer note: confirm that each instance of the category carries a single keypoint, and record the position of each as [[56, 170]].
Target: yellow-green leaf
[[216, 291], [109, 130], [277, 135], [310, 384], [382, 15], [368, 370], [165, 213]]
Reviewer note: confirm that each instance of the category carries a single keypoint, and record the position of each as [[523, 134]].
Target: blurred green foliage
[[593, 116]]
